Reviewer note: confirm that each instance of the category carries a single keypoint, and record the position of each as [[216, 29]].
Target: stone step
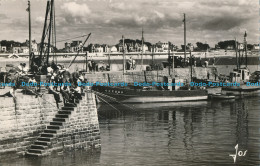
[[68, 108], [70, 105], [44, 143], [47, 135], [32, 154], [51, 131], [62, 116], [46, 139], [54, 127], [42, 147], [56, 124], [64, 112], [38, 151], [59, 119]]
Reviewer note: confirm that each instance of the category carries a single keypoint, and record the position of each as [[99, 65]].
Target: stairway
[[43, 145]]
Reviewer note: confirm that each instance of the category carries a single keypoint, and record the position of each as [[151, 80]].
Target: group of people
[[61, 83], [181, 62], [67, 84], [193, 61], [94, 67]]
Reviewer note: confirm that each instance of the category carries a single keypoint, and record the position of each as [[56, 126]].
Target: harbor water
[[176, 134]]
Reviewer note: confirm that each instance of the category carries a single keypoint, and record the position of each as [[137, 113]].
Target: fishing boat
[[131, 94], [241, 75]]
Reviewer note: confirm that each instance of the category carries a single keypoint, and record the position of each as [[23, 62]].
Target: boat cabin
[[240, 75]]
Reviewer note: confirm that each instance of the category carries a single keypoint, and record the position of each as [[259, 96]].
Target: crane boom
[[72, 61]]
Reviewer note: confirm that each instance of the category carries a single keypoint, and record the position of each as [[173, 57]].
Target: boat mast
[[44, 30], [152, 54], [30, 33], [50, 31], [169, 58], [245, 45], [142, 48], [109, 62], [169, 45], [123, 41], [86, 61], [184, 20], [236, 52], [190, 67], [206, 51], [54, 34]]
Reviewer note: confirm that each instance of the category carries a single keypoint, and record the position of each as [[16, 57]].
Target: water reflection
[[176, 134], [199, 134]]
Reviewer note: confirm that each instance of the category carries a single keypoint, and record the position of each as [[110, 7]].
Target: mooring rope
[[113, 99], [110, 105]]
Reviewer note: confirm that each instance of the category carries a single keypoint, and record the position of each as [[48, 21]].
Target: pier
[[36, 127]]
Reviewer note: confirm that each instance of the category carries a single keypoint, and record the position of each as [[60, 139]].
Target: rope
[[110, 105], [71, 38], [113, 99]]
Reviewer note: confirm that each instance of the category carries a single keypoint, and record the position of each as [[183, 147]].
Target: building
[[105, 48], [145, 48], [161, 47], [34, 45], [74, 46], [45, 47], [3, 48], [255, 47], [230, 47], [25, 49], [120, 47], [130, 47], [113, 49], [137, 47], [240, 46], [98, 48], [67, 47], [16, 49]]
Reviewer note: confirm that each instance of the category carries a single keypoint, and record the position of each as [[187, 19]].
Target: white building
[[145, 48], [256, 47], [3, 49], [113, 49], [98, 48]]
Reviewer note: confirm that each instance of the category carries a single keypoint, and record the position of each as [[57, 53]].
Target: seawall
[[150, 76], [24, 120]]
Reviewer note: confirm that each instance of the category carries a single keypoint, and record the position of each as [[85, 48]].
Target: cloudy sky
[[207, 20]]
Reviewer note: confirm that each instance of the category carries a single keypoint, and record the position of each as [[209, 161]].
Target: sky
[[207, 21]]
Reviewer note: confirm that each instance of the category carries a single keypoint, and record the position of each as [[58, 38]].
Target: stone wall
[[81, 128], [22, 121], [150, 76]]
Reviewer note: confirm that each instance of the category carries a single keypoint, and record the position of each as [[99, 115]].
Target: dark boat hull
[[150, 96]]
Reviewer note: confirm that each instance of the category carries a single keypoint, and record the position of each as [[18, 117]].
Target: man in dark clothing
[[93, 64]]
